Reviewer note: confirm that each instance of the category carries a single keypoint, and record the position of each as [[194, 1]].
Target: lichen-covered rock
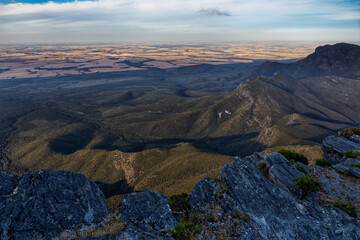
[[147, 208], [204, 193], [43, 203], [283, 174]]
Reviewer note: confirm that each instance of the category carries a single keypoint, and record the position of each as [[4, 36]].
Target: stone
[[355, 171], [275, 158], [41, 204], [338, 231], [143, 232], [283, 175], [355, 138], [147, 208], [278, 213], [340, 145], [341, 168], [347, 162], [204, 193]]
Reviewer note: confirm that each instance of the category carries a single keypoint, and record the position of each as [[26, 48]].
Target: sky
[[107, 21]]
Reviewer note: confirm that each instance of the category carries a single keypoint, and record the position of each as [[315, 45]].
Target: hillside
[[152, 122], [283, 110], [341, 59]]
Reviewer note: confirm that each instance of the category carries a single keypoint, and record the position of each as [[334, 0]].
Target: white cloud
[[179, 17]]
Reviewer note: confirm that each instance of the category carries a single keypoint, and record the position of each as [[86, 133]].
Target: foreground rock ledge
[[244, 204], [41, 204]]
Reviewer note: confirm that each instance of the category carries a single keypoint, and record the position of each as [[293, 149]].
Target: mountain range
[[148, 129]]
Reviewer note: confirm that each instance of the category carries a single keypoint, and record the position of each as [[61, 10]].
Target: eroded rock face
[[280, 215], [283, 175], [147, 208], [41, 204], [204, 193]]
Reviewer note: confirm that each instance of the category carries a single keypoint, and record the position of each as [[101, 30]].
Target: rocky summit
[[257, 197]]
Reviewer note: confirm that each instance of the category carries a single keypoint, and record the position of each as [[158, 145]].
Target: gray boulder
[[204, 193], [41, 204], [147, 208]]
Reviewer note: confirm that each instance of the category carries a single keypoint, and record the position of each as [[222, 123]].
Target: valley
[[157, 128]]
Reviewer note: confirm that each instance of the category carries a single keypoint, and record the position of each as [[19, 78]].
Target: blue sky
[[42, 21]]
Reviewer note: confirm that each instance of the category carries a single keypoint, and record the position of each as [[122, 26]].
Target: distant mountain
[[341, 59], [284, 110]]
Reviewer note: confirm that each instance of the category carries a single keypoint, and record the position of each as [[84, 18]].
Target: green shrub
[[307, 184], [293, 156], [323, 162], [346, 207], [301, 168], [346, 133], [355, 165], [185, 230], [263, 167], [350, 154], [180, 205]]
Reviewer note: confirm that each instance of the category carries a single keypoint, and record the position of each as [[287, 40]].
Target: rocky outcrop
[[246, 203], [335, 149], [41, 204], [147, 208], [204, 193]]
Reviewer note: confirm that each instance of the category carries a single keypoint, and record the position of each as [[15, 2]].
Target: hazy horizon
[[136, 21]]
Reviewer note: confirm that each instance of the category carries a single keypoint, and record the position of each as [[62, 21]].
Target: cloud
[[123, 20], [214, 12]]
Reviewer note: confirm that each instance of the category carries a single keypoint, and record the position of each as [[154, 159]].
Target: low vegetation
[[264, 169], [180, 205], [293, 156], [350, 154], [241, 215], [186, 230], [349, 208], [307, 184], [323, 162], [347, 133], [301, 168], [355, 165]]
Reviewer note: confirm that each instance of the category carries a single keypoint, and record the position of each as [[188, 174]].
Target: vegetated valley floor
[[161, 129]]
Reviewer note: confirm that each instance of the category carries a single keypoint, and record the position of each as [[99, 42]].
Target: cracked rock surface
[[41, 204]]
